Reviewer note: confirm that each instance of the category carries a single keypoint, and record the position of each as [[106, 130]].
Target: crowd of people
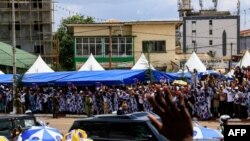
[[206, 98]]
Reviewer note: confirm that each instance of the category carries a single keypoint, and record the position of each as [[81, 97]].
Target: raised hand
[[176, 123]]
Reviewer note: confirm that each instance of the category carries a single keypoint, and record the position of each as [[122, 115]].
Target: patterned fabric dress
[[202, 105]]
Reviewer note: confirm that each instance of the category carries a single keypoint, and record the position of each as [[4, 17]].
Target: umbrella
[[180, 82], [76, 135], [3, 138], [40, 133], [206, 133]]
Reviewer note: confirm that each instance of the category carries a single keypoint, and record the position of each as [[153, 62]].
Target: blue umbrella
[[200, 132], [40, 133]]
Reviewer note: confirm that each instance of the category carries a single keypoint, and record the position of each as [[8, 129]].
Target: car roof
[[137, 116], [10, 116]]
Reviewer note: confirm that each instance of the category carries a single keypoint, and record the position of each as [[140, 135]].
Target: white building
[[204, 34], [213, 35]]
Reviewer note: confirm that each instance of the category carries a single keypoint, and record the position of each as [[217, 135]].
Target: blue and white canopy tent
[[109, 77], [6, 79], [43, 78], [39, 66], [91, 65]]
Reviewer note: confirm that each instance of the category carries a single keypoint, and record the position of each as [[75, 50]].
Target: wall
[[156, 32]]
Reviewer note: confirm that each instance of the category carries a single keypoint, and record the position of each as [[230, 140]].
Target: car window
[[93, 129], [5, 128], [135, 131], [120, 131], [24, 123], [141, 132]]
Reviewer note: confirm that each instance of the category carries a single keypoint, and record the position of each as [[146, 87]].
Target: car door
[[130, 131]]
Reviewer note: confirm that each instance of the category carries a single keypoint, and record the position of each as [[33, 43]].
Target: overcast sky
[[130, 10]]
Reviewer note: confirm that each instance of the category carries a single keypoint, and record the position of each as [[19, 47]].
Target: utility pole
[[110, 47], [231, 56], [14, 55], [149, 64]]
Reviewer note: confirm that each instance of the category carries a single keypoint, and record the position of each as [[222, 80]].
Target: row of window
[[210, 22], [210, 32], [36, 26], [36, 4], [121, 46], [210, 42]]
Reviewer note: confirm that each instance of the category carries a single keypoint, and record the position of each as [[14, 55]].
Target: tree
[[66, 40]]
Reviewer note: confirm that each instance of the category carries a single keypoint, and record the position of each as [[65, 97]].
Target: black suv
[[113, 127], [9, 122]]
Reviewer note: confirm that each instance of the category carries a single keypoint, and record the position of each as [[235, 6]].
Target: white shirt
[[230, 96]]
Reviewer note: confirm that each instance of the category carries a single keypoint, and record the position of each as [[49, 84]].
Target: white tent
[[91, 65], [142, 63], [245, 61], [1, 72], [195, 63], [39, 66]]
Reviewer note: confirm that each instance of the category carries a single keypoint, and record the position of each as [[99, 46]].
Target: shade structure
[[76, 135], [40, 133], [195, 63], [39, 66], [109, 77], [23, 59], [142, 64], [6, 79], [3, 138], [43, 78], [91, 65], [245, 61], [1, 72], [200, 132]]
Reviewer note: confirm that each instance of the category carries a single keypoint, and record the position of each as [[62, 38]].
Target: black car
[[113, 127], [10, 122]]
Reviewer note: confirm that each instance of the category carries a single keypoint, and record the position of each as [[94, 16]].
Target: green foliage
[[66, 40]]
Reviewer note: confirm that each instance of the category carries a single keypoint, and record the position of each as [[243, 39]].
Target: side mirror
[[47, 123]]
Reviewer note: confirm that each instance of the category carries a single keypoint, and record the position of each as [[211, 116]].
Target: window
[[120, 131], [193, 31], [121, 46], [154, 46], [37, 3], [210, 42], [38, 49], [15, 5], [38, 26], [193, 22], [96, 130], [210, 32], [210, 22], [79, 49], [193, 41], [17, 25]]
